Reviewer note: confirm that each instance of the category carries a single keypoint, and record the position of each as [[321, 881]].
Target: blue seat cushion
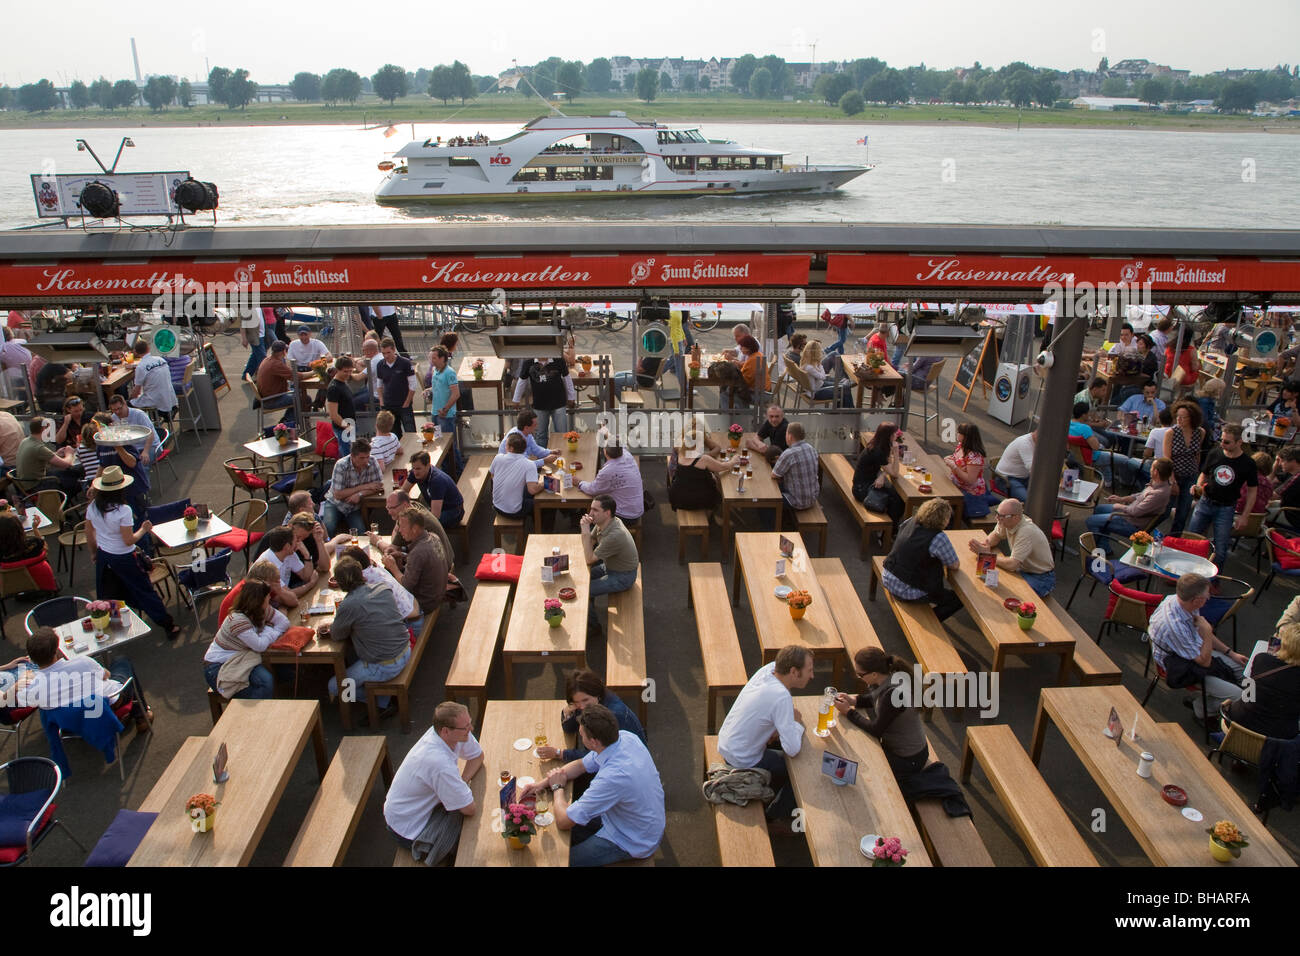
[[121, 838], [17, 810]]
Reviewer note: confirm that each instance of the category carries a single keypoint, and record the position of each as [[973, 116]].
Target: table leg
[[726, 530], [509, 662], [537, 517], [779, 505], [735, 586], [967, 761], [1040, 732], [1063, 674], [345, 707], [318, 743]]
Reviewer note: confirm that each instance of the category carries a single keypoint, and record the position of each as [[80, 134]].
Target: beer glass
[[828, 696], [824, 711]]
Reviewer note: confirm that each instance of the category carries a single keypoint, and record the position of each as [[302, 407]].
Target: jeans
[[948, 605], [1041, 583], [1183, 504], [1115, 466], [842, 336], [335, 520], [283, 400], [404, 418], [548, 418], [782, 805], [122, 671], [1105, 521], [367, 317], [524, 511], [596, 851], [1221, 516], [256, 354], [611, 582], [1016, 487], [363, 671], [139, 593], [1217, 689], [978, 506], [261, 685], [844, 395], [448, 425], [345, 446]]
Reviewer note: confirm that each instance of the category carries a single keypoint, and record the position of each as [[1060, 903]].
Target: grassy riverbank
[[673, 108]]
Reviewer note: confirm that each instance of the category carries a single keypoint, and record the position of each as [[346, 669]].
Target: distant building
[[1108, 103]]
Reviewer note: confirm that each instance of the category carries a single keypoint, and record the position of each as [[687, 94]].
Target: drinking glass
[[828, 695], [539, 734], [374, 534], [505, 777], [823, 718]]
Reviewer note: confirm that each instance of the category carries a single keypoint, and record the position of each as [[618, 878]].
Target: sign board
[[141, 194], [165, 341], [216, 374], [982, 360]]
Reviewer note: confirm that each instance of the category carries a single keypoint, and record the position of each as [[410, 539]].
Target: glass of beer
[[539, 734], [543, 800], [505, 777], [828, 696], [374, 534], [824, 711], [303, 617]]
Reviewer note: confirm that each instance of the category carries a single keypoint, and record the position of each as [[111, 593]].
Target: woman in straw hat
[[109, 534]]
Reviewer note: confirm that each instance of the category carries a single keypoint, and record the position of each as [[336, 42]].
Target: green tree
[[545, 75], [125, 93], [864, 70], [462, 82], [159, 91], [598, 75], [887, 86], [305, 87], [1046, 90], [340, 85], [1104, 65], [647, 84], [782, 75], [991, 88], [218, 77], [1114, 86], [629, 82], [239, 90], [706, 84], [1238, 96], [389, 82], [689, 82], [742, 71], [832, 86], [852, 103], [1153, 91], [665, 81], [442, 85], [571, 79], [184, 93], [38, 97], [760, 83], [101, 93], [7, 98], [1020, 88], [79, 95], [955, 92]]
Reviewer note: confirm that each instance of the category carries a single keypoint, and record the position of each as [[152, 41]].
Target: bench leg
[[704, 544], [214, 705], [510, 678], [318, 745], [821, 542], [681, 546], [967, 760], [372, 709], [871, 590], [713, 713], [386, 770], [1040, 734], [866, 541], [404, 709], [735, 586], [1063, 674]]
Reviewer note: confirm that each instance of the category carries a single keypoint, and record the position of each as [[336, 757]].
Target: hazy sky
[[273, 39]]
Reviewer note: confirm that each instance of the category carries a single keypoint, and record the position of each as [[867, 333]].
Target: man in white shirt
[[430, 782], [304, 350], [153, 381], [385, 318], [122, 412], [64, 682], [763, 708], [1017, 462], [514, 480], [281, 554]]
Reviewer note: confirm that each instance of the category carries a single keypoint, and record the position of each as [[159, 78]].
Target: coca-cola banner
[[80, 278], [1025, 272]]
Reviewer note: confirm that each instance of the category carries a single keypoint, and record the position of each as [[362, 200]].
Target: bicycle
[[707, 322]]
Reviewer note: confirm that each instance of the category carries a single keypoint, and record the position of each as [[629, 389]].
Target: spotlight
[[195, 196], [99, 200]]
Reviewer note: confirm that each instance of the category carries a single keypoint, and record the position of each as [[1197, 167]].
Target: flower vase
[[694, 371], [1279, 430], [555, 620], [205, 823], [735, 442], [478, 374], [573, 446], [1026, 623], [282, 439], [191, 524], [1140, 549], [1220, 852], [797, 613], [100, 622], [516, 843]]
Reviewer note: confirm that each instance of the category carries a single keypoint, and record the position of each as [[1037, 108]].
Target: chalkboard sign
[[982, 360], [216, 374]]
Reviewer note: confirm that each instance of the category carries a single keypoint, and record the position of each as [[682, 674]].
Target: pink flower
[[523, 828]]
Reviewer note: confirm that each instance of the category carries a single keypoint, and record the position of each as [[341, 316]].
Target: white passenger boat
[[594, 157]]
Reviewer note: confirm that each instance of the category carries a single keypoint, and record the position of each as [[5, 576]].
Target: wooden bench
[[840, 472], [813, 521], [985, 524], [631, 397], [479, 637], [696, 523], [1035, 811], [471, 485], [400, 686], [724, 667], [924, 632], [846, 607], [336, 810], [156, 799], [625, 670], [216, 704], [950, 841], [1090, 661], [742, 831], [502, 526], [404, 858]]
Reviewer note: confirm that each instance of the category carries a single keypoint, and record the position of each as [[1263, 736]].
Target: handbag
[[877, 500]]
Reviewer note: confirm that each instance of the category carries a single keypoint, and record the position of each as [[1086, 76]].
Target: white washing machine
[[1010, 402]]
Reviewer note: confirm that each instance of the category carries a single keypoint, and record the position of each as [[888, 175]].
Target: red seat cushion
[[236, 539], [500, 567], [1058, 533], [327, 446], [1152, 601], [250, 481], [1190, 545], [1285, 550], [228, 602]]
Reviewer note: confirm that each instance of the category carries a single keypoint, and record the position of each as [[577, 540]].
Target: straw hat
[[112, 479]]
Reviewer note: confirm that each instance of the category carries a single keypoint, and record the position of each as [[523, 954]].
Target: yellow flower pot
[[797, 612], [191, 524], [282, 439], [1220, 852], [100, 623], [573, 446], [205, 823], [516, 843], [735, 442]]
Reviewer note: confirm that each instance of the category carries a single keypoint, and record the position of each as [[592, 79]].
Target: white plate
[[1193, 814], [866, 845], [544, 819], [782, 592], [524, 743], [525, 781]]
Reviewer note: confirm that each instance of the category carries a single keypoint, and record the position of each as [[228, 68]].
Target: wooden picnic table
[[529, 638], [887, 376], [761, 490], [587, 455], [908, 483], [504, 722], [411, 442], [756, 555], [494, 375], [264, 740], [1000, 626], [705, 381], [109, 383], [835, 817], [1167, 838], [325, 651]]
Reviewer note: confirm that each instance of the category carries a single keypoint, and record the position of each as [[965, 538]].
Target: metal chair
[[931, 385], [162, 573], [1227, 597], [1109, 570], [1238, 742], [246, 474], [55, 612], [212, 578], [13, 581], [182, 376], [165, 449], [13, 726], [171, 511], [803, 390], [1130, 608], [51, 503], [1278, 550], [27, 775], [245, 530], [72, 539], [1162, 676], [121, 710]]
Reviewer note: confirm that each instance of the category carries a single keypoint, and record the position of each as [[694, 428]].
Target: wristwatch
[[556, 786]]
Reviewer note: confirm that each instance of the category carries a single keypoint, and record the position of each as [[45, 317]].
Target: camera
[[1044, 360]]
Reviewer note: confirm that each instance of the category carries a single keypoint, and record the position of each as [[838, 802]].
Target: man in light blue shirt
[[625, 794], [526, 425], [1184, 646], [1145, 405], [133, 416]]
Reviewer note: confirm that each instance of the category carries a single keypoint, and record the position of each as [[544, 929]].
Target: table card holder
[[548, 574], [991, 578], [780, 567], [787, 547], [842, 771], [558, 563], [1114, 729], [507, 793], [219, 774]]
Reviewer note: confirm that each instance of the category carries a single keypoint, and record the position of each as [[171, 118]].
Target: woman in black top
[[898, 728], [1275, 710], [693, 485], [877, 462]]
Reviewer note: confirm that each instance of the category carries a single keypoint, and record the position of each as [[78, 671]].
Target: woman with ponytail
[[881, 711]]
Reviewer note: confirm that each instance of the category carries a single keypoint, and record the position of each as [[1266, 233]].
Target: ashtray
[[576, 466], [782, 592], [925, 489], [1011, 604], [104, 638], [334, 583], [568, 594], [1174, 796]]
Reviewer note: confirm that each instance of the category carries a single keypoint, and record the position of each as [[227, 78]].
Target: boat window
[[462, 161], [555, 174]]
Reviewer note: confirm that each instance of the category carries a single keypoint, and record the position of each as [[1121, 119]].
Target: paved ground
[[173, 680]]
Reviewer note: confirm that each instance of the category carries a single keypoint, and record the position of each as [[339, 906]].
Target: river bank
[[419, 110]]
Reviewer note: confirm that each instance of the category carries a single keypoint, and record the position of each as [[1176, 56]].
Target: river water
[[327, 174]]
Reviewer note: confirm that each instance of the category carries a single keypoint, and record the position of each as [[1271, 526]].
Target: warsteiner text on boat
[[594, 157]]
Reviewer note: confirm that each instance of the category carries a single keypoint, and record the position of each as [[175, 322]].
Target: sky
[[76, 39]]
